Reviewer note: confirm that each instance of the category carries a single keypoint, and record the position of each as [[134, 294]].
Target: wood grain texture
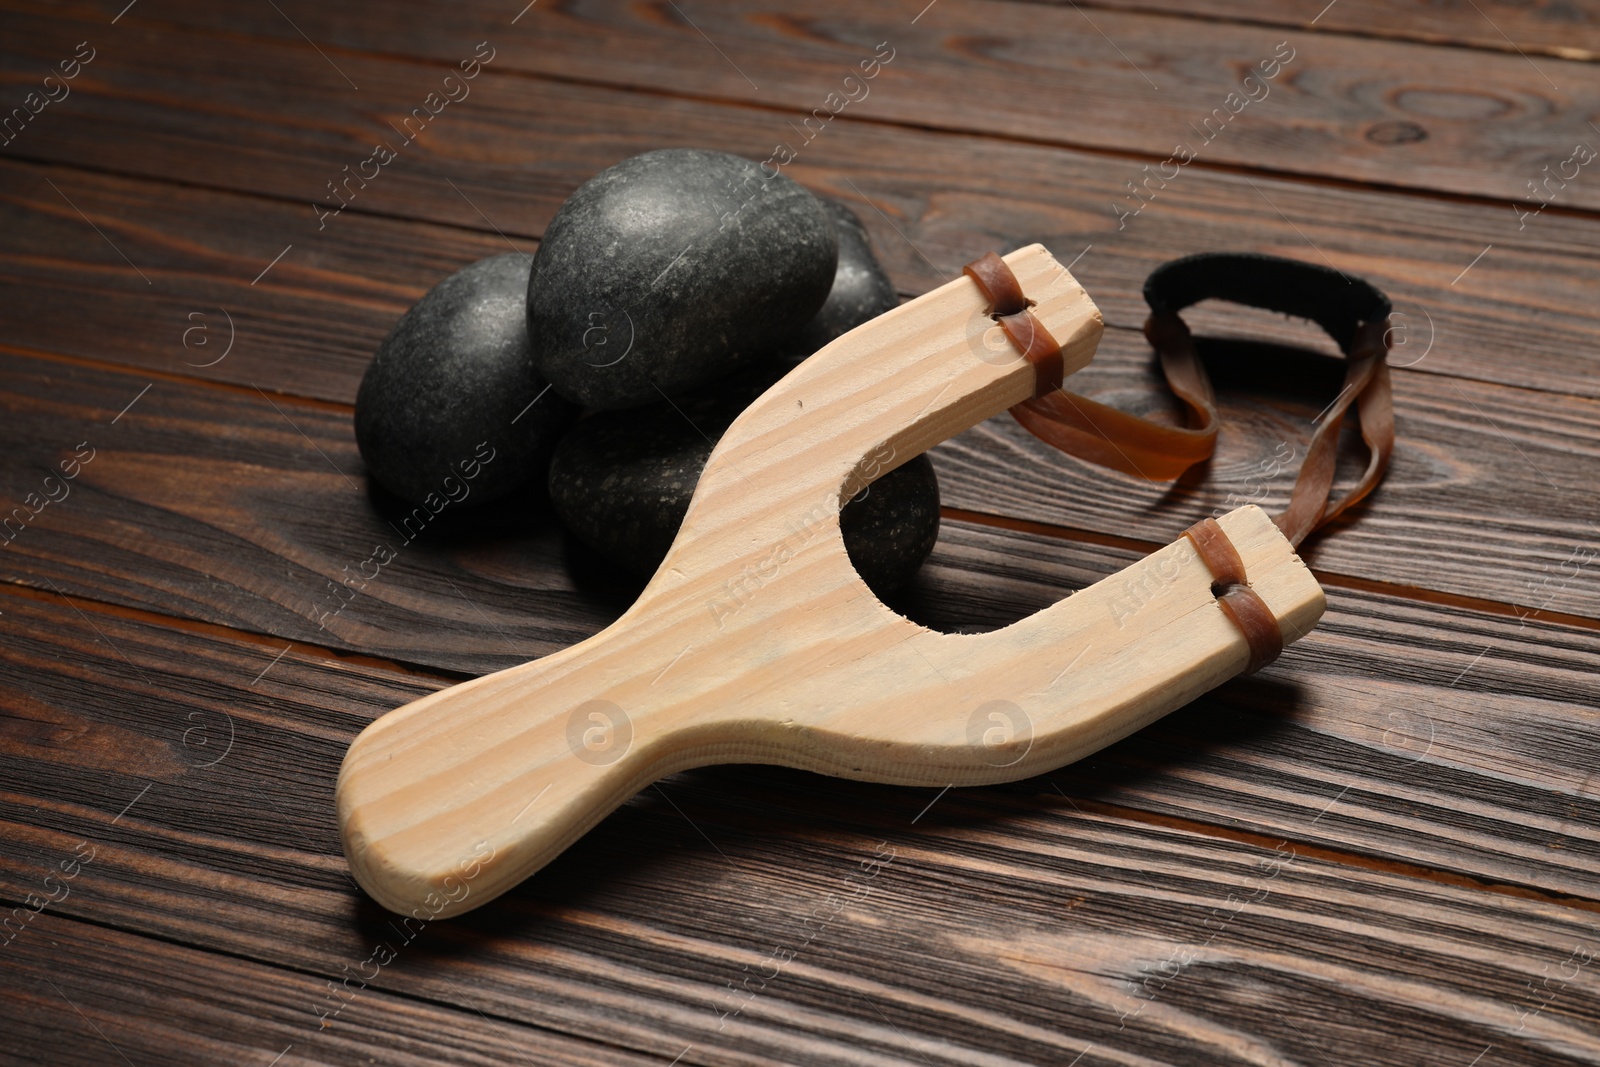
[[221, 505], [1559, 28], [1388, 112], [233, 508], [193, 306], [230, 507], [1452, 436], [1003, 925], [1390, 697], [1420, 696], [1430, 766], [98, 996], [1521, 315], [778, 653]]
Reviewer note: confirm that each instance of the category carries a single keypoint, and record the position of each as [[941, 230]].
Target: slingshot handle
[[457, 797], [566, 757]]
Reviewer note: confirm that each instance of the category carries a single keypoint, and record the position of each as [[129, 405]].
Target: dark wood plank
[[1452, 708], [308, 329], [222, 505], [1523, 314], [227, 506], [1017, 925], [997, 925], [84, 994], [1569, 29], [1364, 737], [1460, 442], [1381, 111]]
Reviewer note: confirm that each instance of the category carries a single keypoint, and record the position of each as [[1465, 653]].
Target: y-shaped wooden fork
[[757, 642]]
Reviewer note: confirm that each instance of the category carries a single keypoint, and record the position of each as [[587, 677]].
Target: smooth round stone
[[672, 269], [891, 527], [861, 292], [451, 408], [861, 288], [621, 482]]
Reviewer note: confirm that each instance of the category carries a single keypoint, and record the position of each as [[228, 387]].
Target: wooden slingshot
[[757, 642]]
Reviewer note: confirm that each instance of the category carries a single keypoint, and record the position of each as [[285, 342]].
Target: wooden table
[[1385, 849]]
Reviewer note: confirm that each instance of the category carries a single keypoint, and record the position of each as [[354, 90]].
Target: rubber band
[[1241, 604], [1353, 312], [1009, 307], [1037, 347], [998, 283]]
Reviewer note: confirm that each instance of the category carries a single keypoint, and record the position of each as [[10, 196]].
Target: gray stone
[[451, 407], [672, 269], [621, 482], [861, 288], [890, 527]]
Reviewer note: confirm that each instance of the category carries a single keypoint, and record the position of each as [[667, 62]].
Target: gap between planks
[[1487, 45], [1198, 827], [1342, 581], [397, 992], [1239, 169], [188, 380], [272, 198], [218, 632], [1418, 594]]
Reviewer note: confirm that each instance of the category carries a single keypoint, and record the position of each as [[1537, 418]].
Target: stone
[[621, 483], [861, 288], [672, 269], [891, 526], [451, 408]]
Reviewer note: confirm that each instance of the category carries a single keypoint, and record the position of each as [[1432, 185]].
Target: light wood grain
[[757, 642]]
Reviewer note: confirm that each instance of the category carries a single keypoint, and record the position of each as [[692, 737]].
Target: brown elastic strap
[[1241, 604], [1217, 552], [1245, 609], [1112, 438], [1038, 348], [998, 283], [1009, 307], [1366, 384]]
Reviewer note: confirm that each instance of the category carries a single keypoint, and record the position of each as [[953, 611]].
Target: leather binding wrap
[[1242, 605], [1009, 307], [1354, 314]]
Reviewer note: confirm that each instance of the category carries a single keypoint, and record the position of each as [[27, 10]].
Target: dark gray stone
[[434, 415], [861, 288], [672, 269], [891, 526], [621, 482]]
